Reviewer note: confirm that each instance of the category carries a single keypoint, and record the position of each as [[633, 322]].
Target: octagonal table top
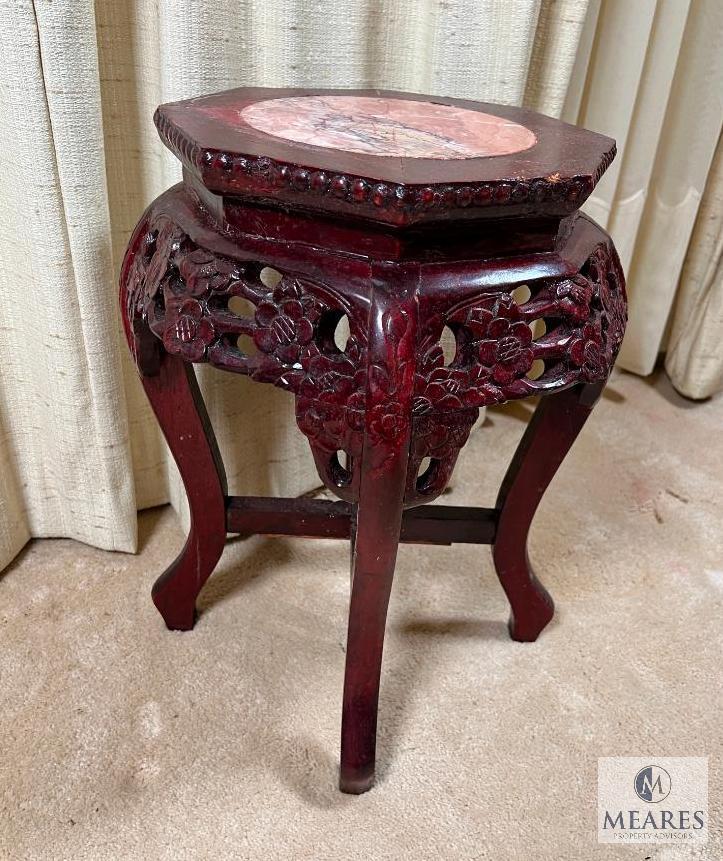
[[393, 157]]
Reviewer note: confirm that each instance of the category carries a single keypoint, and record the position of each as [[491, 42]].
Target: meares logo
[[658, 820], [652, 784], [639, 801]]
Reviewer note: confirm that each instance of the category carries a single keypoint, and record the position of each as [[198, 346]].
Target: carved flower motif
[[188, 332], [338, 378], [502, 340], [322, 423], [586, 351], [331, 377], [483, 390], [437, 385], [441, 435], [203, 272], [387, 421], [574, 297], [283, 329], [498, 352]]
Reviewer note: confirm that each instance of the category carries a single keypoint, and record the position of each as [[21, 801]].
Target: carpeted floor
[[121, 740]]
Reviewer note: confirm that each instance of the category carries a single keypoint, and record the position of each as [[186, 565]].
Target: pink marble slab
[[386, 126]]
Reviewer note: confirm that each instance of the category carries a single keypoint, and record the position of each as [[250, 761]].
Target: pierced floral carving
[[181, 292], [284, 324], [440, 437], [202, 272], [189, 333], [587, 352], [180, 288], [501, 340], [585, 319]]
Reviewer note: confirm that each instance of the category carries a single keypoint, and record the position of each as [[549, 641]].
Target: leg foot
[[356, 783], [549, 436], [539, 608]]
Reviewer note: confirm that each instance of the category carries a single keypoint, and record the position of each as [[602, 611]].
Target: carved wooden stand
[[417, 259]]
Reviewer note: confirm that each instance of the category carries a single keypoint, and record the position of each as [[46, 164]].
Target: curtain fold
[[651, 77], [694, 357], [60, 363], [558, 38], [79, 448]]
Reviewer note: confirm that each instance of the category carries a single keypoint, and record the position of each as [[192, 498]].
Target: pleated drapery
[[651, 77], [693, 358], [79, 449]]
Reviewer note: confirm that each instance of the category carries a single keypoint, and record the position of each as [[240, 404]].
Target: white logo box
[[653, 799]]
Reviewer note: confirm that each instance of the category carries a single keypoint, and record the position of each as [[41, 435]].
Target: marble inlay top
[[388, 127]]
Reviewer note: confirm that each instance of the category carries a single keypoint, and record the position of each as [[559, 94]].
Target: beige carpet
[[121, 740]]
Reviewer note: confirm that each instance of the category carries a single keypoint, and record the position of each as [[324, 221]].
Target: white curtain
[[79, 449], [694, 350], [650, 74]]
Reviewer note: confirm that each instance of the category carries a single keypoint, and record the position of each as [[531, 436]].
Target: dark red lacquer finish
[[252, 269]]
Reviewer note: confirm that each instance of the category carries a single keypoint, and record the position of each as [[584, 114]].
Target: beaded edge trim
[[567, 191]]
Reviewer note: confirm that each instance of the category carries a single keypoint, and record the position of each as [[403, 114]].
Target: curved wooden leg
[[171, 387], [384, 460], [549, 436], [181, 413]]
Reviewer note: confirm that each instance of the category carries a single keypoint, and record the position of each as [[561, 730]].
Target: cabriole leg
[[549, 436], [181, 413], [172, 389]]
